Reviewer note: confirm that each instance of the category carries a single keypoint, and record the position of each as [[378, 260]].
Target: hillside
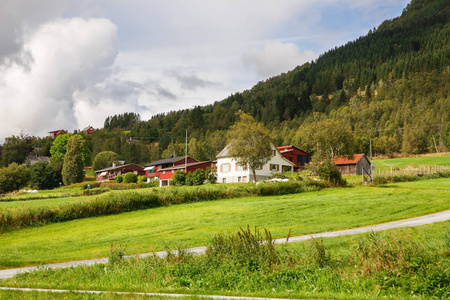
[[390, 88]]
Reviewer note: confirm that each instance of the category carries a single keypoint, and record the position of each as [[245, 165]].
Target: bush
[[199, 177], [330, 172], [13, 177], [179, 178], [211, 174], [119, 179], [43, 176], [130, 178], [141, 179]]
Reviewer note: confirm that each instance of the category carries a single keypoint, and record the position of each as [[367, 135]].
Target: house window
[[240, 167], [274, 152], [245, 179], [274, 167], [260, 167], [164, 172], [225, 168], [239, 179], [172, 171], [224, 180]]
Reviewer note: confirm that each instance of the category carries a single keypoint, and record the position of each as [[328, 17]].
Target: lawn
[[193, 224], [402, 162]]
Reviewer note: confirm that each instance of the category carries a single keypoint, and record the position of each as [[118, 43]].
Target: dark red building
[[295, 155]]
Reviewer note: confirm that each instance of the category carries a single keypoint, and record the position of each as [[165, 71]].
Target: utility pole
[[185, 155]]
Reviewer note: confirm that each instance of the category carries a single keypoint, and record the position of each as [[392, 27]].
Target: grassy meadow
[[406, 263], [192, 224], [415, 161]]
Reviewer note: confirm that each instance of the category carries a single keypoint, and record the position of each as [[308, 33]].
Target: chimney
[[114, 164]]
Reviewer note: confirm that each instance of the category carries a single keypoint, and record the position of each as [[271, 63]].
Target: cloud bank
[[67, 64]]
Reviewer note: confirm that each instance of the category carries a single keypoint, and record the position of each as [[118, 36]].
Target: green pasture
[[418, 255], [189, 225], [402, 162]]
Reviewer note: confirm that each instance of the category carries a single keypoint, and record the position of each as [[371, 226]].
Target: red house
[[88, 130], [152, 170], [295, 155], [167, 173], [110, 173], [53, 134]]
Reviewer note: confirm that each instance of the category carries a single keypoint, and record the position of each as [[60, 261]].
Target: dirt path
[[422, 220]]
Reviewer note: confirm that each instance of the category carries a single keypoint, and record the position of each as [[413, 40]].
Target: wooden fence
[[420, 170]]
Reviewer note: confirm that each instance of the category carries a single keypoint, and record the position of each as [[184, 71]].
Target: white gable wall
[[227, 170]]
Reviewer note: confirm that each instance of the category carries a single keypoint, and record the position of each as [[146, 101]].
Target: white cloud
[[276, 58], [64, 57]]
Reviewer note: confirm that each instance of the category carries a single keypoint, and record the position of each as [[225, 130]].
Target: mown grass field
[[431, 160], [190, 225]]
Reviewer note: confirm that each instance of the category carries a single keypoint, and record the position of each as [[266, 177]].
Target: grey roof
[[225, 152], [116, 168], [164, 161]]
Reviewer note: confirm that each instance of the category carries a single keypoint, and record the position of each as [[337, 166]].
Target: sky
[[67, 64]]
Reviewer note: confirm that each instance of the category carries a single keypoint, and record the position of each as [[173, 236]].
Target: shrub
[[211, 174], [141, 179], [130, 178], [179, 178], [13, 177], [119, 179], [199, 177], [330, 172]]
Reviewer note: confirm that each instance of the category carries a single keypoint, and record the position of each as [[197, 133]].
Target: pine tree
[[73, 168]]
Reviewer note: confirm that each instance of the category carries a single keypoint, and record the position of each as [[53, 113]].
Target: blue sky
[[66, 64]]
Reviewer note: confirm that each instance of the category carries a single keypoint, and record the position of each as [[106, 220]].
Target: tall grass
[[381, 265], [125, 201]]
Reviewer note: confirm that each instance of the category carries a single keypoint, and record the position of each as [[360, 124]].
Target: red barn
[[53, 134], [88, 130], [357, 164], [295, 155]]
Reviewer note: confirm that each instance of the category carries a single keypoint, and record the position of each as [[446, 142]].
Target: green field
[[402, 162], [193, 224], [405, 263]]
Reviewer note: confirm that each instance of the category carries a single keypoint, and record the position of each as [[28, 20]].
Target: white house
[[228, 170]]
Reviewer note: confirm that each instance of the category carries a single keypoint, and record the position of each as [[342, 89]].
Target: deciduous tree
[[73, 168], [249, 143]]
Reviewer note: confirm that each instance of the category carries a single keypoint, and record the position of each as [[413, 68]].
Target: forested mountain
[[390, 87]]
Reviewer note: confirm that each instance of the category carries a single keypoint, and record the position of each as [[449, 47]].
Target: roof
[[117, 168], [55, 131], [226, 150], [347, 160], [188, 165], [87, 128], [164, 161], [291, 149]]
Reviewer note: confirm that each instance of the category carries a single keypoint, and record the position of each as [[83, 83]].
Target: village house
[[53, 134], [295, 155], [357, 164], [165, 175], [118, 168], [228, 170], [153, 170], [88, 130]]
